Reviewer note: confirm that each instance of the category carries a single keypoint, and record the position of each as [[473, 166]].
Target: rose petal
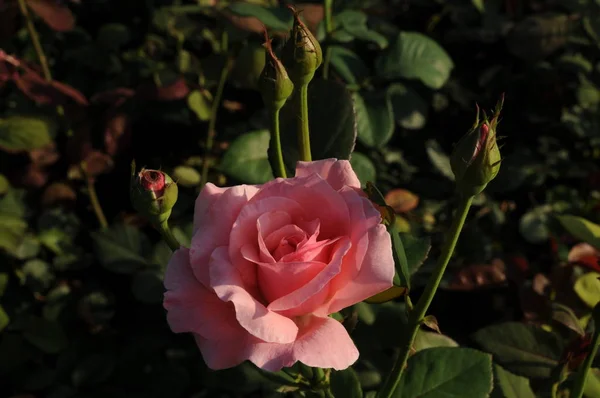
[[322, 342], [280, 279], [310, 296], [317, 197], [250, 313], [337, 173], [193, 308], [223, 353], [375, 275], [244, 231], [215, 212], [325, 343]]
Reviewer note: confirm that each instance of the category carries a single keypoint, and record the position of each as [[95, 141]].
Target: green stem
[[210, 137], [276, 137], [168, 236], [96, 203], [328, 8], [581, 377], [39, 52], [35, 40], [418, 313], [303, 130]]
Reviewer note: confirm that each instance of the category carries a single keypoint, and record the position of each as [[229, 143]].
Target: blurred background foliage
[[81, 288]]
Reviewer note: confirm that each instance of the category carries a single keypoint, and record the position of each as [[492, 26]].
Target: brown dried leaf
[[431, 322], [56, 15], [58, 193], [172, 92], [479, 276]]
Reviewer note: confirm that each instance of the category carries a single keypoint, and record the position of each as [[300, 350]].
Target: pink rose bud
[[153, 194], [268, 264], [476, 158]]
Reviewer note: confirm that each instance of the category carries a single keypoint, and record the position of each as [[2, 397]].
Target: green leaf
[[587, 288], [331, 121], [565, 316], [374, 118], [439, 159], [20, 133], [186, 176], [446, 372], [533, 225], [3, 283], [349, 65], [363, 167], [277, 18], [147, 287], [121, 248], [200, 105], [12, 232], [410, 109], [416, 249], [526, 350], [37, 275], [344, 383], [247, 159], [508, 385], [354, 25], [582, 229], [4, 319], [113, 36], [4, 184], [46, 335], [93, 370], [426, 340], [415, 56]]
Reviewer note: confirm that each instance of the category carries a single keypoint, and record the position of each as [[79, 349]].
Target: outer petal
[[375, 275], [216, 210], [336, 172], [223, 353], [250, 313], [193, 308], [325, 343]]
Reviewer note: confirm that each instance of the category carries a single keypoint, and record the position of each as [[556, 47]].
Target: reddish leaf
[[97, 163], [36, 174], [175, 91], [585, 255], [576, 352], [115, 97], [56, 15], [401, 200], [117, 133]]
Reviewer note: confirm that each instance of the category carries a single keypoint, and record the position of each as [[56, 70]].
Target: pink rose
[[269, 263]]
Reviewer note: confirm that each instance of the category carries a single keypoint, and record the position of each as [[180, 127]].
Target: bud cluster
[[301, 56]]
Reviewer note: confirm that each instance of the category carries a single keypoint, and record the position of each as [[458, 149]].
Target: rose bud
[[302, 54], [476, 158], [153, 194], [274, 83]]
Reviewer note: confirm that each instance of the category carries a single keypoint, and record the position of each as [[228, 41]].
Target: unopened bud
[[274, 83], [476, 158], [153, 194], [302, 53]]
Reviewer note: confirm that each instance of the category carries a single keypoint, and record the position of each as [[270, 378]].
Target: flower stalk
[[302, 56], [275, 87], [475, 162]]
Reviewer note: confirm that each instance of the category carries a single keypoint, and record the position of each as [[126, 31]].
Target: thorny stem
[[581, 377], [303, 130], [418, 313], [276, 137], [210, 137]]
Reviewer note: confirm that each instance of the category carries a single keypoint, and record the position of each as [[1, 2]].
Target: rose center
[[288, 245]]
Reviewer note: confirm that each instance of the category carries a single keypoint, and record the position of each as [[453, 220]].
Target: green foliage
[[345, 383], [246, 159], [447, 371]]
